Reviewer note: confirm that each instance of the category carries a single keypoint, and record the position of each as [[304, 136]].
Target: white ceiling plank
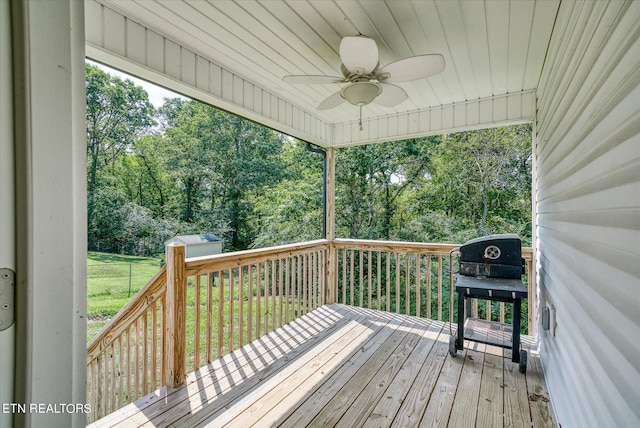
[[475, 24], [239, 51], [543, 19], [456, 38], [520, 18], [336, 19], [442, 83], [498, 37]]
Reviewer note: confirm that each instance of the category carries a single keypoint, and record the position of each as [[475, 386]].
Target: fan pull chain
[[361, 117]]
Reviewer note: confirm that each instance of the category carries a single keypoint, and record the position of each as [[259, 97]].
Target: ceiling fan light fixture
[[361, 93]]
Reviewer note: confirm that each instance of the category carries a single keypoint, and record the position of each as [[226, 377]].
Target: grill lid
[[493, 256]]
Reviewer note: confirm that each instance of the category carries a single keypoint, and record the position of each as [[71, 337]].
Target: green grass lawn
[[112, 280], [108, 291]]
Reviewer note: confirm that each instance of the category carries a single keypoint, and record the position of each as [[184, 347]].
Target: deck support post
[[175, 315], [331, 268]]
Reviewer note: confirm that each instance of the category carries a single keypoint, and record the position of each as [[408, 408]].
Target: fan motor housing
[[493, 256]]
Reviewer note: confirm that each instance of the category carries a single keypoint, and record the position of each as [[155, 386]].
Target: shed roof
[[204, 238]]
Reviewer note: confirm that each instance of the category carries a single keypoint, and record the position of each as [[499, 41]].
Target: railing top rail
[[205, 264], [435, 248], [125, 316], [376, 245]]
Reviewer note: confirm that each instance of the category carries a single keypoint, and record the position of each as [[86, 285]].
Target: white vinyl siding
[[588, 213]]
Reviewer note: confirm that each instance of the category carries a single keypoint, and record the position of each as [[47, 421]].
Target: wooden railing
[[411, 278], [126, 359], [238, 297], [196, 310]]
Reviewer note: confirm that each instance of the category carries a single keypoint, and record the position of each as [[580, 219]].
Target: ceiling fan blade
[[359, 54], [312, 80], [331, 102], [391, 95], [412, 68]]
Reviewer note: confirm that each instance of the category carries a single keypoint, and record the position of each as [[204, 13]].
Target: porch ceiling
[[493, 49]]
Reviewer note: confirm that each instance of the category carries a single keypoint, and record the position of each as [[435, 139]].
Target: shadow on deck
[[346, 366]]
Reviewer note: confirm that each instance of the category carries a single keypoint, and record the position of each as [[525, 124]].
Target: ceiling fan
[[368, 82]]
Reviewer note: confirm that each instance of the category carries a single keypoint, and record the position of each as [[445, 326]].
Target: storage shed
[[204, 244]]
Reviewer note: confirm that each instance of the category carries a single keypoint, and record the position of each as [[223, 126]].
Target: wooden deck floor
[[346, 366]]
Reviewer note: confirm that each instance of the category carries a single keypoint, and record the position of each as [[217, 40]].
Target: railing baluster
[[311, 288], [287, 294], [397, 254], [418, 289], [220, 313], [258, 298], [100, 394], [145, 354], [210, 278], [196, 324], [407, 284], [265, 311], [105, 382], [231, 312], [112, 377], [352, 277], [241, 308], [121, 372], [95, 387], [440, 303], [360, 279], [136, 359], [378, 276], [250, 304], [388, 279], [154, 349], [274, 293], [428, 285], [342, 260], [531, 296], [128, 333]]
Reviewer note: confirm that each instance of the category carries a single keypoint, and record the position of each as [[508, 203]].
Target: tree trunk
[[91, 189], [485, 209]]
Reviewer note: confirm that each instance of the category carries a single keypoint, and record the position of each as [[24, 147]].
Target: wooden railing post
[[331, 268], [175, 342]]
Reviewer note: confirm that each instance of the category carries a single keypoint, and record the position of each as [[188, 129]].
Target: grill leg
[[517, 310], [461, 319]]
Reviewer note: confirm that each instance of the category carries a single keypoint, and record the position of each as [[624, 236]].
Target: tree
[[371, 181], [222, 162], [117, 112], [291, 210], [484, 177]]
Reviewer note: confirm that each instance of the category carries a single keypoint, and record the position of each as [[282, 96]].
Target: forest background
[[188, 168]]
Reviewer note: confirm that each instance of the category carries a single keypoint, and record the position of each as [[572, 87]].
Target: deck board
[[346, 366]]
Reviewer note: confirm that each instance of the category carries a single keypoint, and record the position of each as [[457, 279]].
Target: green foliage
[[291, 210], [483, 178], [373, 181], [117, 113], [190, 168], [437, 189]]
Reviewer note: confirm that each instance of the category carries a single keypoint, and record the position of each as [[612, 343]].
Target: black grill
[[493, 256]]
